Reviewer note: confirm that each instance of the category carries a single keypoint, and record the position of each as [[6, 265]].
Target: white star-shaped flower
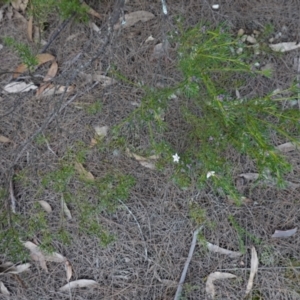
[[210, 174], [176, 158]]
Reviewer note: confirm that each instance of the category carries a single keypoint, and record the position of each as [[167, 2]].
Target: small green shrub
[[24, 52], [215, 121], [86, 199]]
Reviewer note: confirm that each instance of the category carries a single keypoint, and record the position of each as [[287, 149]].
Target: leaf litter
[[3, 289], [41, 257], [81, 283], [46, 206], [284, 233], [10, 268], [41, 59], [210, 287], [217, 249], [253, 270], [134, 17]]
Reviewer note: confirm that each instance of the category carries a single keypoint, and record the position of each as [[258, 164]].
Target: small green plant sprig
[[87, 199], [216, 121], [24, 52], [41, 9]]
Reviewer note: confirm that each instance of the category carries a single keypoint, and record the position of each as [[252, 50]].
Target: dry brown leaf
[[133, 18], [94, 26], [68, 268], [46, 206], [41, 89], [104, 80], [253, 270], [93, 142], [210, 288], [91, 11], [160, 50], [29, 28], [78, 284], [66, 209], [145, 162], [41, 59], [284, 233], [3, 289], [284, 47], [11, 268], [148, 165], [83, 172], [101, 131], [19, 87], [250, 176], [4, 139], [19, 4], [51, 72], [287, 147], [38, 255], [55, 257], [20, 17], [217, 249], [55, 90]]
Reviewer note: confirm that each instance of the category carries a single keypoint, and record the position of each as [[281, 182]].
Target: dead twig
[[183, 275]]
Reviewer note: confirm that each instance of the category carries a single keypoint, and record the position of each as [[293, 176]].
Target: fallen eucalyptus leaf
[[210, 288], [78, 284], [253, 270], [52, 71], [68, 268], [55, 90], [284, 47], [104, 80], [287, 147], [19, 4], [3, 289], [4, 139], [83, 172], [145, 162], [46, 206], [250, 176], [284, 233], [101, 130], [36, 254], [149, 39], [19, 87], [41, 59], [133, 18], [217, 249], [65, 209], [10, 268], [94, 26]]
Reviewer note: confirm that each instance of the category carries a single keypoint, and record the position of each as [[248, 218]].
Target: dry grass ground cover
[[128, 226]]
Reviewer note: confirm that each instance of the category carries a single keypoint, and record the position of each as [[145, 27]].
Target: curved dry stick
[[182, 278]]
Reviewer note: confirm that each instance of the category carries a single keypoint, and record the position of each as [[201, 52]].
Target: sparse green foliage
[[25, 53], [94, 108], [87, 200], [41, 9], [217, 122]]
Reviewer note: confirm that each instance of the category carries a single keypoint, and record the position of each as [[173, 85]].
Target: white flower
[[176, 158], [210, 174]]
